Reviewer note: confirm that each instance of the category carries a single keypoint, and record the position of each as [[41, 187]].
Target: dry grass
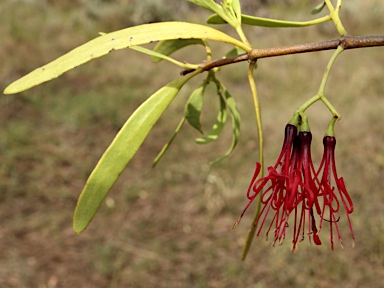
[[170, 226]]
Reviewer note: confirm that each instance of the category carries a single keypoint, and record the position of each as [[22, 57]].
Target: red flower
[[304, 191], [292, 191], [332, 200], [275, 195], [288, 187]]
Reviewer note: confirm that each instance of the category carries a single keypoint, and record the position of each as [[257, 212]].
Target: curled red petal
[[347, 200]]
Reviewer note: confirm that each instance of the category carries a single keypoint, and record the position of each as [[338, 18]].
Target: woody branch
[[347, 42]]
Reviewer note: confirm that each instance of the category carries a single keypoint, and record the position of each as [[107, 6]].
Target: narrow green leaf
[[166, 146], [235, 116], [194, 106], [266, 22], [218, 9], [158, 56], [218, 126], [192, 115], [318, 8], [121, 39], [167, 47], [121, 151]]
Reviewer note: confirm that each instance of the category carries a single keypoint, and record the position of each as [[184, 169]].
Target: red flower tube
[[333, 199]]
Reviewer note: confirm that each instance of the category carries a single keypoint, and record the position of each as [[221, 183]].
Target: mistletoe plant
[[301, 197]]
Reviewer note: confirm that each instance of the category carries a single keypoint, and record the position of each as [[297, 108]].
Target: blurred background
[[171, 226]]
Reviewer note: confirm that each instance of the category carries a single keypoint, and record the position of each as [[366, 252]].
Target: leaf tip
[[80, 221], [78, 226], [318, 8], [9, 90]]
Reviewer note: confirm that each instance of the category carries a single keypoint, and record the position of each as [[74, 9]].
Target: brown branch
[[347, 42]]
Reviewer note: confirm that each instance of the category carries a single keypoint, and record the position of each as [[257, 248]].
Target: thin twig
[[347, 42]]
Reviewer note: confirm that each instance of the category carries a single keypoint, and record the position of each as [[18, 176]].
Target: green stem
[[331, 128], [208, 50], [251, 233], [307, 104], [318, 20], [164, 57], [334, 13], [243, 38], [320, 93], [295, 120]]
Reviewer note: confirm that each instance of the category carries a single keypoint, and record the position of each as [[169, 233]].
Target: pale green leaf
[[266, 22], [128, 37], [194, 106], [167, 47], [218, 126], [120, 152]]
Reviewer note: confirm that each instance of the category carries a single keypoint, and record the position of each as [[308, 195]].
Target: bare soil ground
[[171, 226]]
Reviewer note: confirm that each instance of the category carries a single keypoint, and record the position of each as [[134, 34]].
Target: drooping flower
[[332, 200], [304, 190], [273, 186], [288, 188]]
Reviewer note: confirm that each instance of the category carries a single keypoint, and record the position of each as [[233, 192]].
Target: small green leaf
[[194, 106], [167, 47], [121, 39], [121, 151], [318, 8], [266, 22], [166, 146], [218, 126], [235, 116]]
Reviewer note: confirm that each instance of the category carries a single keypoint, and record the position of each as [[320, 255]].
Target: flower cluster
[[297, 194]]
